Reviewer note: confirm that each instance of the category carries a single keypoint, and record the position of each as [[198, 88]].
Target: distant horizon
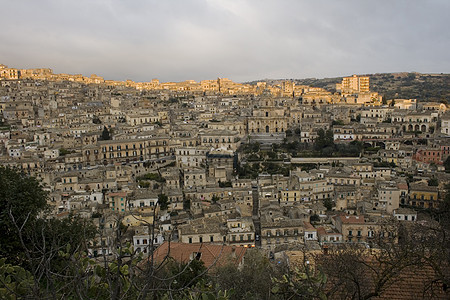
[[241, 82]]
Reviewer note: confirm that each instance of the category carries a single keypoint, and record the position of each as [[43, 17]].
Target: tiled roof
[[415, 283], [352, 219], [212, 255]]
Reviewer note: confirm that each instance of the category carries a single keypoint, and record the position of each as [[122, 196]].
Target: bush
[[152, 176]]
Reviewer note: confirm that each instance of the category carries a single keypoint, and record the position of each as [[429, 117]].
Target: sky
[[177, 40]]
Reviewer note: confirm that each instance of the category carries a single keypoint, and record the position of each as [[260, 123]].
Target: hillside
[[424, 87]]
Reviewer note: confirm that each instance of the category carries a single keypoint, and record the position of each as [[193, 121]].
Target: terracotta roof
[[118, 194], [415, 283], [212, 255], [402, 186], [411, 283], [347, 219], [321, 231], [308, 226]]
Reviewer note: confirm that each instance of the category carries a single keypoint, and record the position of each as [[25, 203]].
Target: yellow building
[[269, 117], [354, 84], [424, 196], [8, 73], [117, 201]]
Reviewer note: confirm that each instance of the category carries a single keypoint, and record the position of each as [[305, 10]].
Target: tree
[[337, 122], [304, 282], [31, 244], [328, 203], [163, 201], [21, 201], [324, 139], [288, 132], [105, 134], [252, 281], [15, 281], [63, 151], [433, 181], [314, 218], [96, 120], [187, 204], [447, 165]]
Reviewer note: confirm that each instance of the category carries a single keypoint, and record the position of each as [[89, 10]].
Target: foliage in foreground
[[47, 259]]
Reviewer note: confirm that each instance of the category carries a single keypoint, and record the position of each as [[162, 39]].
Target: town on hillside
[[217, 162]]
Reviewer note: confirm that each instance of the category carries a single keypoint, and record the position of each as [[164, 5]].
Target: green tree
[[305, 282], [15, 281], [63, 151], [21, 201], [447, 165], [105, 134], [288, 132], [96, 120], [324, 140], [215, 198], [433, 181], [328, 203], [314, 218], [252, 281], [187, 204], [337, 122], [163, 201], [33, 243]]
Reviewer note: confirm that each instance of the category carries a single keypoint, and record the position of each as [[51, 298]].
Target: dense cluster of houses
[[162, 158]]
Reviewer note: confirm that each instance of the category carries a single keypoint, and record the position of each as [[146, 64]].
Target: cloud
[[242, 40]]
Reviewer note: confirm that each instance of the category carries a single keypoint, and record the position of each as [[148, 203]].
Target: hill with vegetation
[[424, 87]]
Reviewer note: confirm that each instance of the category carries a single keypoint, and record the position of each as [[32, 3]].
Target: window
[[211, 238], [190, 240], [350, 233]]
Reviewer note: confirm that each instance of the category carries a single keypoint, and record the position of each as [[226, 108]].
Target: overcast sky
[[176, 40]]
